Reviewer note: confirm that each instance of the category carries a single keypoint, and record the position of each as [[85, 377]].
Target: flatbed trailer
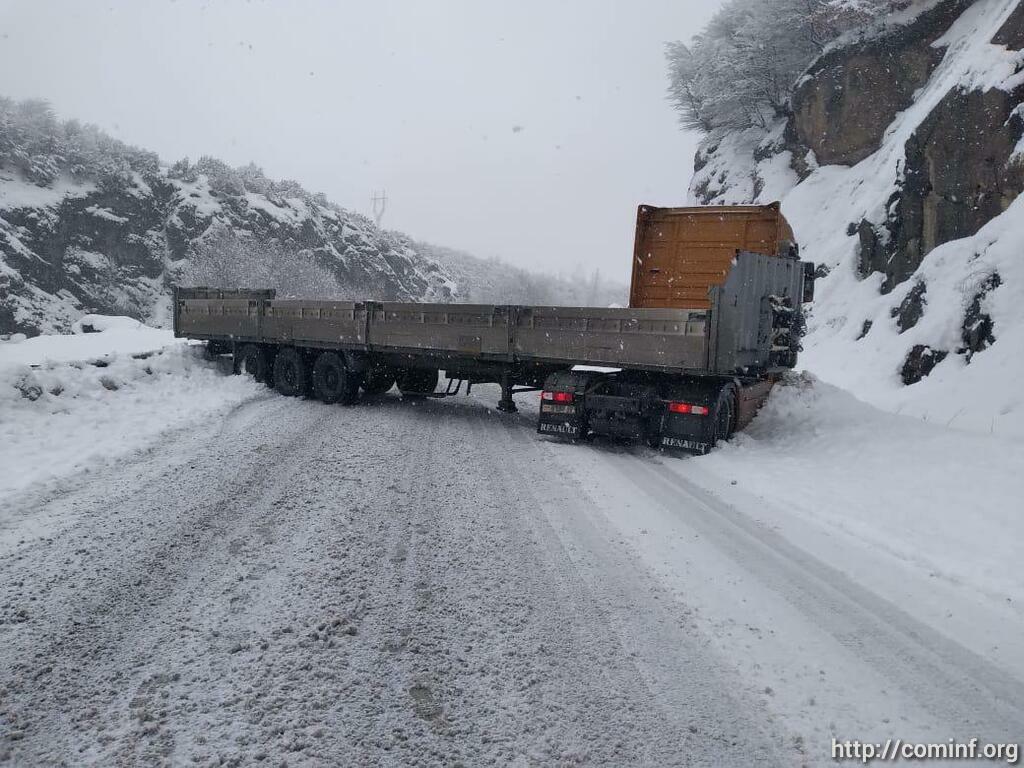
[[675, 377]]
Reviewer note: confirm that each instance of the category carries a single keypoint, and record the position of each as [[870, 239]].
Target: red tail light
[[696, 410], [557, 397]]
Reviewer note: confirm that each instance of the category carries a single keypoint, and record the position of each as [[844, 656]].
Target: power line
[[379, 200]]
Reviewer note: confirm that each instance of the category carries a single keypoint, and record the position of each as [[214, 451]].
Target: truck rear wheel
[[415, 382], [725, 414], [291, 373], [253, 360], [377, 381], [332, 381]]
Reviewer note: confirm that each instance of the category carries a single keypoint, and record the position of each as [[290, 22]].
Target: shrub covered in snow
[[223, 258]]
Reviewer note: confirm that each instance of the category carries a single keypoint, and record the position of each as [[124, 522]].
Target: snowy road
[[428, 583]]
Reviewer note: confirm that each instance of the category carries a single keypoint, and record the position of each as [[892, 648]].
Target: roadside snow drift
[[69, 402], [95, 337], [943, 501]]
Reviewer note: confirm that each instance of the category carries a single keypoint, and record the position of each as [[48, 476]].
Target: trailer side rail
[[653, 339]]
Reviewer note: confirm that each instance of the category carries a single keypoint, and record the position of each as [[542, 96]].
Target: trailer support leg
[[506, 404]]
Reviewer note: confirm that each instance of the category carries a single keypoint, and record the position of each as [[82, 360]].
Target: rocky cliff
[[899, 164]]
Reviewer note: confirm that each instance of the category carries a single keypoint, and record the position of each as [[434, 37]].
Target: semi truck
[[715, 317]]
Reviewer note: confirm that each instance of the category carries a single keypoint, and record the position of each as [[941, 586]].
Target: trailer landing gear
[[506, 404]]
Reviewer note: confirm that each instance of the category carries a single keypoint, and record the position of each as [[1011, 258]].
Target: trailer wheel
[[332, 381], [377, 381], [253, 360], [725, 414], [417, 382], [291, 373]]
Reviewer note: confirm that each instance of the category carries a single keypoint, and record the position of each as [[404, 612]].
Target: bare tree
[[739, 71]]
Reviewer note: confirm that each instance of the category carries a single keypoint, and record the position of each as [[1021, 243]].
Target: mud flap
[[562, 430], [695, 447]]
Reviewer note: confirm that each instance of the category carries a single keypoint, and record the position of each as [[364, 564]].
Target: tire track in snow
[[38, 511], [94, 592], [713, 714], [318, 585]]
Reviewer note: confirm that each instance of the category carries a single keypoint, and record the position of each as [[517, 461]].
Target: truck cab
[[736, 269]]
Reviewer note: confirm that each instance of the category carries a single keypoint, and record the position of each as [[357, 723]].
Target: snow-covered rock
[[89, 225], [100, 323]]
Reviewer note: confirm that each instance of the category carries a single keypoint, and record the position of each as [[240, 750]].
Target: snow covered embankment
[[859, 566], [925, 516], [888, 484], [918, 227], [68, 403]]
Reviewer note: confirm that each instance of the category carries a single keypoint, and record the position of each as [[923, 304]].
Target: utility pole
[[380, 202]]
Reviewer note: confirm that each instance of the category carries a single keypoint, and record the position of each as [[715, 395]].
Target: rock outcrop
[[959, 169], [960, 173], [919, 363], [850, 95]]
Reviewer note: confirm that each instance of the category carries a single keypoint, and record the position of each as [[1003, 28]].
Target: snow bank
[[98, 337], [71, 402], [938, 501], [984, 395]]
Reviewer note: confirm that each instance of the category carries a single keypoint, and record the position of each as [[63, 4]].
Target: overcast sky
[[523, 129]]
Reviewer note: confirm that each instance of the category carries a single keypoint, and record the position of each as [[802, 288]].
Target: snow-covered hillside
[[491, 281], [88, 224], [898, 166]]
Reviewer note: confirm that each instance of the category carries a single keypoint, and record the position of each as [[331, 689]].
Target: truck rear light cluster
[[696, 410], [557, 397]]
